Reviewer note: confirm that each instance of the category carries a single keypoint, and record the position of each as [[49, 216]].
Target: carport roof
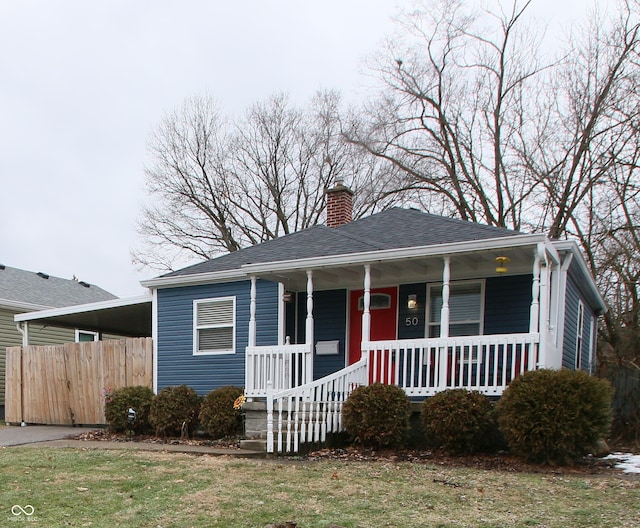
[[124, 317]]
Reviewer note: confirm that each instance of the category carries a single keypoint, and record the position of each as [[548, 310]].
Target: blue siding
[[330, 324], [176, 362], [572, 299], [507, 304], [411, 322]]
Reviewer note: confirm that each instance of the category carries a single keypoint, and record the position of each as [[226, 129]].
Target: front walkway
[[14, 435]]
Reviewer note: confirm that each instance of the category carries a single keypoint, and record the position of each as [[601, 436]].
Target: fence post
[[269, 416]]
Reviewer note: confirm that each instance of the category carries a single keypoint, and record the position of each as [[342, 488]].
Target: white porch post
[[443, 351], [534, 313], [309, 325], [366, 312], [544, 308], [281, 315], [444, 312], [252, 314]]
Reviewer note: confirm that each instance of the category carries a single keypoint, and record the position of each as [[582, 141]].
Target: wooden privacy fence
[[64, 384]]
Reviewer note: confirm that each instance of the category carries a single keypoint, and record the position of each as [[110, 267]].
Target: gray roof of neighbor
[[390, 229], [21, 286]]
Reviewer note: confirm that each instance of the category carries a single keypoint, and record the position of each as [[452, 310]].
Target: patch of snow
[[629, 463]]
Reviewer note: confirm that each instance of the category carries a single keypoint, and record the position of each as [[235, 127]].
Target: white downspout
[[23, 328], [544, 309]]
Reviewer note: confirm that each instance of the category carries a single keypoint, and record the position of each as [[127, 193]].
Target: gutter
[[247, 270]]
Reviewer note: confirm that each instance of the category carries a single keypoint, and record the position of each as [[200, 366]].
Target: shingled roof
[[390, 229], [21, 287]]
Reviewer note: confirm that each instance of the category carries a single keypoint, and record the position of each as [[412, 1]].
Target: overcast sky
[[83, 84]]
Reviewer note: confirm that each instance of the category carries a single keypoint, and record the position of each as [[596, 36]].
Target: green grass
[[128, 488]]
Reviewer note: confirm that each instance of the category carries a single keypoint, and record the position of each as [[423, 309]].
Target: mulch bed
[[108, 436], [498, 462]]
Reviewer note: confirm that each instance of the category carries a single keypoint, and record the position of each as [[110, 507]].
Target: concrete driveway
[[12, 435]]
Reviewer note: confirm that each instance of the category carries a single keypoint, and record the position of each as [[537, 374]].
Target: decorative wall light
[[502, 262], [287, 297], [412, 301]]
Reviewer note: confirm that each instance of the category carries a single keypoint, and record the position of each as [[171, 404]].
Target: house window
[[579, 333], [377, 301], [83, 336], [214, 326], [465, 309]]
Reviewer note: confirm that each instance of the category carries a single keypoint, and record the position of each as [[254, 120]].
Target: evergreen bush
[[377, 415], [116, 408], [555, 416], [460, 421], [218, 415], [174, 411]]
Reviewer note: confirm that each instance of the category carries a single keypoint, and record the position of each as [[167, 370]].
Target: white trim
[[232, 350], [572, 247], [592, 323], [577, 360], [82, 308], [154, 336], [349, 259], [95, 335]]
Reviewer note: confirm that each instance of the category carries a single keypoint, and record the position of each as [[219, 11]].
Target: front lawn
[[161, 490]]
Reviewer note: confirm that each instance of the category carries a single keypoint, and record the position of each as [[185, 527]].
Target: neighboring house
[[422, 301], [25, 291]]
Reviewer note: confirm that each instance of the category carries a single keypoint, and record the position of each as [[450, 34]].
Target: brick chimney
[[339, 204]]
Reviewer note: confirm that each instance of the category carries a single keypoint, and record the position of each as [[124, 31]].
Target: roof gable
[[393, 228]]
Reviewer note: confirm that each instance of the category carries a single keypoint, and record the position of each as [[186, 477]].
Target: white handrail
[[307, 413], [285, 366]]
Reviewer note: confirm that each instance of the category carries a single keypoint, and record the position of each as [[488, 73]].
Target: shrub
[[116, 409], [217, 414], [377, 415], [460, 421], [555, 416], [174, 411]]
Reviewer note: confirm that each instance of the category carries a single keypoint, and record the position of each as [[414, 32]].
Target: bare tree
[[452, 109], [217, 185]]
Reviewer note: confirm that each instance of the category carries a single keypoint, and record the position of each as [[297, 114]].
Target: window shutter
[[215, 326]]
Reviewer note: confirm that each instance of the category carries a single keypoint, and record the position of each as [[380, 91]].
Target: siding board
[[176, 362]]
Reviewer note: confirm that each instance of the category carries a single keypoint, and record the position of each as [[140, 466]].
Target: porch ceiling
[[474, 264]]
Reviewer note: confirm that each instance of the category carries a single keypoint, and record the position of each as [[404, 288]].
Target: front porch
[[457, 343]]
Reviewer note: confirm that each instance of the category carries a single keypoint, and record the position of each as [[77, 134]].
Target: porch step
[[256, 444]]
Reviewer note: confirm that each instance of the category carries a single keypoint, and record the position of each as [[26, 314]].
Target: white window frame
[[95, 335], [480, 322], [579, 334], [196, 327]]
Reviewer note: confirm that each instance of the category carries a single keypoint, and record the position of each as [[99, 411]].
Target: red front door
[[384, 318]]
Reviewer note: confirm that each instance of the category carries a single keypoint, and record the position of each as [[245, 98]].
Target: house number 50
[[411, 321]]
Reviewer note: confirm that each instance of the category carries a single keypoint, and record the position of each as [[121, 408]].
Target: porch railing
[[424, 367], [308, 413], [284, 366]]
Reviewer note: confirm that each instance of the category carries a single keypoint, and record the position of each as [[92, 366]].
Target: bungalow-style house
[[404, 297], [24, 291]]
